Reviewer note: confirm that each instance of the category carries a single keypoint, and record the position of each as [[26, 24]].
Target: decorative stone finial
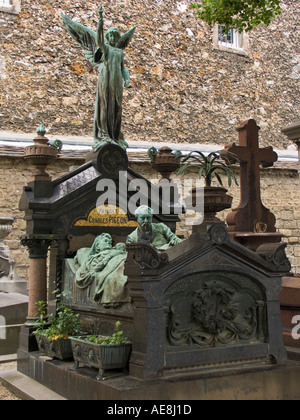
[[41, 154], [41, 130]]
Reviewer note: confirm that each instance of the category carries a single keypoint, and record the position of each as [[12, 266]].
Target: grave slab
[[13, 312]]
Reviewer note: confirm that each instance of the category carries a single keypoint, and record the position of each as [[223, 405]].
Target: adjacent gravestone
[[9, 279], [13, 312], [251, 223]]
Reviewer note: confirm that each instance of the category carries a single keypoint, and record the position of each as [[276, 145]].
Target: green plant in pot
[[211, 168], [53, 332], [102, 352]]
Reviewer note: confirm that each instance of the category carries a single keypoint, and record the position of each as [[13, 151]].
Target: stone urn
[[164, 161], [41, 154], [216, 199]]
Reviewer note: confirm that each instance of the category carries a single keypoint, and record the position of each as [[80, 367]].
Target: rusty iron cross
[[250, 211]]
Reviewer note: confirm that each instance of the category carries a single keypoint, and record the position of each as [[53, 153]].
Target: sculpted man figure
[[158, 234]]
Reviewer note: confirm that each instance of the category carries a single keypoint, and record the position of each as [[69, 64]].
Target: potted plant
[[53, 332], [210, 168], [102, 352]]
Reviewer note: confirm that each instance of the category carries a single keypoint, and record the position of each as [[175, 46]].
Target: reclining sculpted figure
[[103, 265]]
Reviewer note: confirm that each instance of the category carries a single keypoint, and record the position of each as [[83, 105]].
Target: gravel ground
[[5, 394]]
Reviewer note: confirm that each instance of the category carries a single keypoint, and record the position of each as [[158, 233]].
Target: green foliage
[[153, 152], [58, 144], [238, 14], [211, 166], [61, 326], [115, 339]]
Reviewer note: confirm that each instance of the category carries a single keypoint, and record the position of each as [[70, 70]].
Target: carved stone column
[[38, 246]]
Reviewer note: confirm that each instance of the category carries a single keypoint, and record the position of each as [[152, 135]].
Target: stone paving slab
[[24, 388]]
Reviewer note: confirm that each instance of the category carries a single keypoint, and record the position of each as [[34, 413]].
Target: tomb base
[[264, 383]]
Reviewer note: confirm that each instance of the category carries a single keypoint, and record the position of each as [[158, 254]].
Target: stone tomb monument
[[204, 304], [201, 304]]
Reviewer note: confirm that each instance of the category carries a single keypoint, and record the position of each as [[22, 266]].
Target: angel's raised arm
[[100, 31], [84, 36]]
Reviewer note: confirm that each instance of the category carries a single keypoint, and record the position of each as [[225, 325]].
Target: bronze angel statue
[[106, 54]]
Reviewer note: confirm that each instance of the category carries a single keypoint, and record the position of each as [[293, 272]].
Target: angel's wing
[[84, 36], [126, 38]]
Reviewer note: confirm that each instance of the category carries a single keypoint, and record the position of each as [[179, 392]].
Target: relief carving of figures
[[215, 314]]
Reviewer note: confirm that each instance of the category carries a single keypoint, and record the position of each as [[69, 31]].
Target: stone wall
[[182, 89], [280, 193]]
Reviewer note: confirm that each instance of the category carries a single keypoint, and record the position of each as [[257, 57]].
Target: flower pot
[[100, 356], [216, 199], [59, 349]]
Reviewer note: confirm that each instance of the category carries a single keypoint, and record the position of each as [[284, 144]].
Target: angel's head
[[113, 36]]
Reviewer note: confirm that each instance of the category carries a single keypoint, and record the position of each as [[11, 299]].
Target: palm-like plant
[[211, 166]]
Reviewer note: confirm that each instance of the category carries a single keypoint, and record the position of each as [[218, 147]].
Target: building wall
[[182, 89]]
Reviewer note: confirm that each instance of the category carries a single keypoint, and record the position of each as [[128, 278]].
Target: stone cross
[[251, 215]]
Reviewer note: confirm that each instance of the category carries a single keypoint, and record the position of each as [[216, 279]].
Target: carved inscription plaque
[[106, 216]]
